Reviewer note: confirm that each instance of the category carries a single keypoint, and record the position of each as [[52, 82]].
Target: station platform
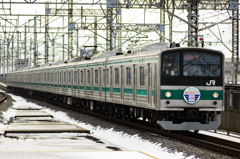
[[34, 133], [30, 120]]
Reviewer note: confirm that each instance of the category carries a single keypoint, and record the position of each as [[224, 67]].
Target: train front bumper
[[212, 125]]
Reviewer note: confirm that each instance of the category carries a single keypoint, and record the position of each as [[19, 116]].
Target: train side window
[[142, 76], [150, 75], [96, 76], [128, 76], [104, 77], [107, 76], [111, 76], [100, 76], [60, 77], [64, 77], [69, 77], [81, 77], [75, 77], [88, 77], [116, 76]]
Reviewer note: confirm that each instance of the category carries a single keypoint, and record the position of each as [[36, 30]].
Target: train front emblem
[[191, 95]]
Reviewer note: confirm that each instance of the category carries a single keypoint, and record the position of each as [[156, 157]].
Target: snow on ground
[[222, 136], [120, 139]]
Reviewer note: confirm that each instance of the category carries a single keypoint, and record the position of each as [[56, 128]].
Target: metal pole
[[12, 51], [77, 44], [17, 45], [53, 49], [63, 47], [30, 52], [3, 58], [35, 43], [37, 53], [8, 43], [25, 42]]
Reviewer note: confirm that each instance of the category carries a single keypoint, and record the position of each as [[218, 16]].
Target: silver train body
[[139, 85]]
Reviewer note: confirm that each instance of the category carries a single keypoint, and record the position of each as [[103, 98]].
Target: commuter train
[[180, 88]]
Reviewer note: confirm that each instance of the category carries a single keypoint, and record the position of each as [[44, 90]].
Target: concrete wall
[[230, 120]]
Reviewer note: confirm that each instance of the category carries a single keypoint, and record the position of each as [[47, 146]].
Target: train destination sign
[[191, 95]]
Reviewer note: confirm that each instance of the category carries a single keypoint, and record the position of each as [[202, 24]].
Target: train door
[[70, 84], [149, 81], [116, 84], [85, 80], [100, 83], [134, 83], [155, 86], [142, 88], [91, 82], [64, 81], [74, 85], [111, 83], [122, 83]]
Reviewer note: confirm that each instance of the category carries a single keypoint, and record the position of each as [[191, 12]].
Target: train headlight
[[168, 94], [215, 95]]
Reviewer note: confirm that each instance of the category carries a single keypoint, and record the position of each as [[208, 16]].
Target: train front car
[[191, 89]]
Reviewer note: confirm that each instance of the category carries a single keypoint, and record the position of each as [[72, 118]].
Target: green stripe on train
[[205, 94]]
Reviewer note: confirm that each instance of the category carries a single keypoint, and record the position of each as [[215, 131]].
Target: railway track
[[3, 93], [209, 142]]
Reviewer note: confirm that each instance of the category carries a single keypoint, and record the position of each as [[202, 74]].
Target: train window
[[88, 77], [60, 77], [103, 77], [64, 77], [150, 75], [107, 76], [128, 76], [81, 77], [142, 76], [70, 76], [111, 75], [201, 64], [75, 77], [96, 76], [100, 75], [116, 76], [171, 64]]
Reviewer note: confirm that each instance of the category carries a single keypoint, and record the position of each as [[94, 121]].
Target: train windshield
[[201, 64], [191, 67]]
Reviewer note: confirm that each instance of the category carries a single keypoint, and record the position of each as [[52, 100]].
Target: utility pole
[[46, 31], [25, 43], [12, 51], [77, 43], [193, 23], [53, 48], [35, 43], [70, 29], [63, 47]]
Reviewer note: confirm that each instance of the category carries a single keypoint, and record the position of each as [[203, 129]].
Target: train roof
[[113, 58]]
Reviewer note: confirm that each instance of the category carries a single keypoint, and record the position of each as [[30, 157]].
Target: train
[[177, 88]]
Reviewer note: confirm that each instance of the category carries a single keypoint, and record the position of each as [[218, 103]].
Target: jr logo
[[211, 82]]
